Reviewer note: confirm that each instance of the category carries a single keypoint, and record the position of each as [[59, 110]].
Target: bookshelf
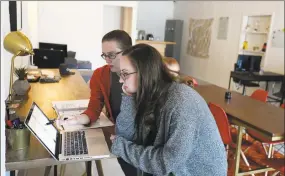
[[255, 30]]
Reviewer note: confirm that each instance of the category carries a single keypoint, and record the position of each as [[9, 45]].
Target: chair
[[277, 164], [223, 124], [261, 95]]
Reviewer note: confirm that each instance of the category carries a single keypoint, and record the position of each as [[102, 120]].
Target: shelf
[[252, 32], [251, 51]]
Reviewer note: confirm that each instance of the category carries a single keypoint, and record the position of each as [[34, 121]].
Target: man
[[105, 87]]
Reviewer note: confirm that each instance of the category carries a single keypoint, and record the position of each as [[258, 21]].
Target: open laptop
[[45, 58], [63, 146]]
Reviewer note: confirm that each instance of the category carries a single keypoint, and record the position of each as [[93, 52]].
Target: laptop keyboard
[[75, 143]]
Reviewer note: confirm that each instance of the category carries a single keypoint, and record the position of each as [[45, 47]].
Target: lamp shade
[[16, 42]]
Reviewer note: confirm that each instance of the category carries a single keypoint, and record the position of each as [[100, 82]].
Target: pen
[[50, 122], [53, 120]]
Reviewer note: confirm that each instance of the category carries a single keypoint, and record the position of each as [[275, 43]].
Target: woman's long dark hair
[[153, 83]]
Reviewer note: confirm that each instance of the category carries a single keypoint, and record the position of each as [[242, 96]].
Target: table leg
[[88, 165], [230, 83], [22, 172], [283, 92], [62, 169], [266, 86], [243, 90], [238, 150], [47, 170], [99, 167], [55, 170], [12, 173]]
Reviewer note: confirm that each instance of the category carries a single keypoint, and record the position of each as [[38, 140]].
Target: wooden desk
[[72, 87], [246, 112], [255, 76]]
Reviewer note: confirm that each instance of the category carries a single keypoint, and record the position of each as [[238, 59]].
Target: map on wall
[[199, 37]]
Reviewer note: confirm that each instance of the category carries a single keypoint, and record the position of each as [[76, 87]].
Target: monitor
[[45, 58], [254, 63], [54, 46], [248, 63]]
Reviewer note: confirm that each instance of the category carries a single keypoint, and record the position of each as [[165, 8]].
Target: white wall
[[111, 18], [223, 53], [77, 24], [152, 16]]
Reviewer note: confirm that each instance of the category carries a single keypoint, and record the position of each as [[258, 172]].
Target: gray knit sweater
[[188, 142]]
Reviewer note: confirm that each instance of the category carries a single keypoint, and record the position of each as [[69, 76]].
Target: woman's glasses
[[125, 75], [110, 56]]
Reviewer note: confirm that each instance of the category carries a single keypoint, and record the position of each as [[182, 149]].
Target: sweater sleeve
[[126, 119], [164, 159], [96, 101]]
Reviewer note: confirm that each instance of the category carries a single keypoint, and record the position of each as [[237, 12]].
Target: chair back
[[222, 121], [260, 95]]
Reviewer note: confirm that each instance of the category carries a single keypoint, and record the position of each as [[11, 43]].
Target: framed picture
[[19, 15]]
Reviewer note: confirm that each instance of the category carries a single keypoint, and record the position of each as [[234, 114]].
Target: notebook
[[77, 107]]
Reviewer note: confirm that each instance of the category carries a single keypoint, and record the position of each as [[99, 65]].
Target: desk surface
[[256, 76], [69, 88], [263, 117]]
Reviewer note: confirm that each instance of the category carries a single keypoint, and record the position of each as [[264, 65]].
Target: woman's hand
[[112, 138], [73, 120]]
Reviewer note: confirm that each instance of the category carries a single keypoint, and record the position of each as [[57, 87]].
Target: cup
[[18, 138], [228, 95]]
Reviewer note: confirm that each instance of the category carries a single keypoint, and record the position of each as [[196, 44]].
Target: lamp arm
[[12, 74]]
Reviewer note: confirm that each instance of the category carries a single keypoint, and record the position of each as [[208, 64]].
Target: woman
[[164, 127], [105, 87]]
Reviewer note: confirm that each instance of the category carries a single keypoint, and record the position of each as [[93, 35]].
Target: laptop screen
[[36, 121]]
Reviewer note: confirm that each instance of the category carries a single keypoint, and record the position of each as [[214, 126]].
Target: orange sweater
[[100, 94]]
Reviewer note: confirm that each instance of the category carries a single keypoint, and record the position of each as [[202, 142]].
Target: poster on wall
[[199, 37], [223, 28]]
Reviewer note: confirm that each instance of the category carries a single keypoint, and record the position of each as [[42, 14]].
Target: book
[[76, 107]]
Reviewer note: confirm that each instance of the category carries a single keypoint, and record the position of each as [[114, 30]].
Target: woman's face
[[129, 76], [111, 51]]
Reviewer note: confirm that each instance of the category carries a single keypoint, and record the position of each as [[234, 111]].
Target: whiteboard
[[223, 28], [278, 39]]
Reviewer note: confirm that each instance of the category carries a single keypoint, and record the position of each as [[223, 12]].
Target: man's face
[[111, 53]]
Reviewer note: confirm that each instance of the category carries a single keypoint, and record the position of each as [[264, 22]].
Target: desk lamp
[[17, 44]]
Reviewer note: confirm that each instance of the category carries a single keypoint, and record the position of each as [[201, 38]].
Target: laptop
[[45, 58], [65, 146]]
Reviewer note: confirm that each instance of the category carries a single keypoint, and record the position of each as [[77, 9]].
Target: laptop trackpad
[[96, 142]]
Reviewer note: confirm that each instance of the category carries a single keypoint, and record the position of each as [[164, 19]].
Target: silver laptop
[[65, 146]]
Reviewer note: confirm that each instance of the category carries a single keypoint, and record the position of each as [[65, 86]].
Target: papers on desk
[[47, 73], [76, 107]]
